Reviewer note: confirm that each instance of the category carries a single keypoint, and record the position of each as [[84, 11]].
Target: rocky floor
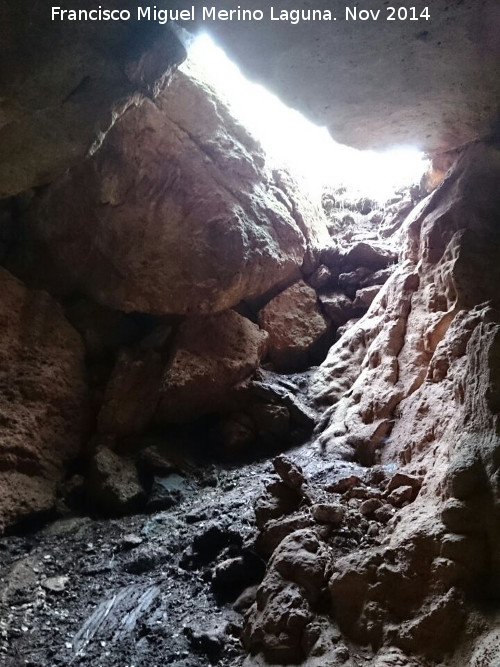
[[146, 589]]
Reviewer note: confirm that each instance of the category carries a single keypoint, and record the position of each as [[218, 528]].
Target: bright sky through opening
[[291, 141]]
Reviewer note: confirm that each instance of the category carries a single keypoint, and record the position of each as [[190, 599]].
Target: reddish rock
[[368, 507], [344, 484], [338, 307], [365, 296], [404, 479], [213, 355], [401, 496], [42, 398], [328, 513], [364, 254], [175, 214], [296, 327]]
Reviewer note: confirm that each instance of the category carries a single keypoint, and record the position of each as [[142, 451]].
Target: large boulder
[[297, 328], [175, 214], [42, 398], [213, 355], [64, 83]]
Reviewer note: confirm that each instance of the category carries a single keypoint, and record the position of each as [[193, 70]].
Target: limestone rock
[[64, 83], [133, 390], [295, 325], [213, 355], [114, 485], [329, 513], [356, 66], [364, 254], [42, 398], [176, 214], [338, 307], [365, 296]]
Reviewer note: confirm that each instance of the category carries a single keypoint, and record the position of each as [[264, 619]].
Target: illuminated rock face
[[378, 83], [176, 214], [409, 394]]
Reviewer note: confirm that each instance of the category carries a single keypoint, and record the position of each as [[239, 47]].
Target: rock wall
[[409, 395], [64, 84], [176, 214], [43, 394], [378, 83]]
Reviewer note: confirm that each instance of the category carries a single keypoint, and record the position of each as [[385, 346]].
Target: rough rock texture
[[412, 391], [176, 213], [133, 390], [64, 84], [114, 485], [379, 83], [295, 326], [213, 355], [42, 398]]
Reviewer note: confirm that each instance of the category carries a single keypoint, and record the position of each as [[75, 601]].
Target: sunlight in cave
[[291, 141]]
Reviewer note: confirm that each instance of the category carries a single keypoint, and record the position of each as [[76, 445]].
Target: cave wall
[[377, 83], [179, 270]]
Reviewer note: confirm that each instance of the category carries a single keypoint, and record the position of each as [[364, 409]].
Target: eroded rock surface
[[214, 354], [342, 73], [201, 223], [64, 84], [296, 328], [412, 390], [42, 399]]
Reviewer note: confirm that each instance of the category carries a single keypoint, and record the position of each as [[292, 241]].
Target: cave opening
[[249, 375]]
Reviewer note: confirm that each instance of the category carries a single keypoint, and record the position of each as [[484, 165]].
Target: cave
[[250, 334]]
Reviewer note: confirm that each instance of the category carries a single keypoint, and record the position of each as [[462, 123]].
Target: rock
[[351, 281], [90, 77], [368, 507], [366, 255], [278, 499], [132, 393], [55, 584], [245, 600], [213, 355], [328, 513], [458, 517], [384, 513], [345, 90], [130, 541], [365, 296], [338, 307], [297, 329], [321, 277], [401, 496], [114, 486], [43, 399], [290, 473], [344, 484], [167, 492], [227, 230], [275, 531], [378, 278], [404, 479]]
